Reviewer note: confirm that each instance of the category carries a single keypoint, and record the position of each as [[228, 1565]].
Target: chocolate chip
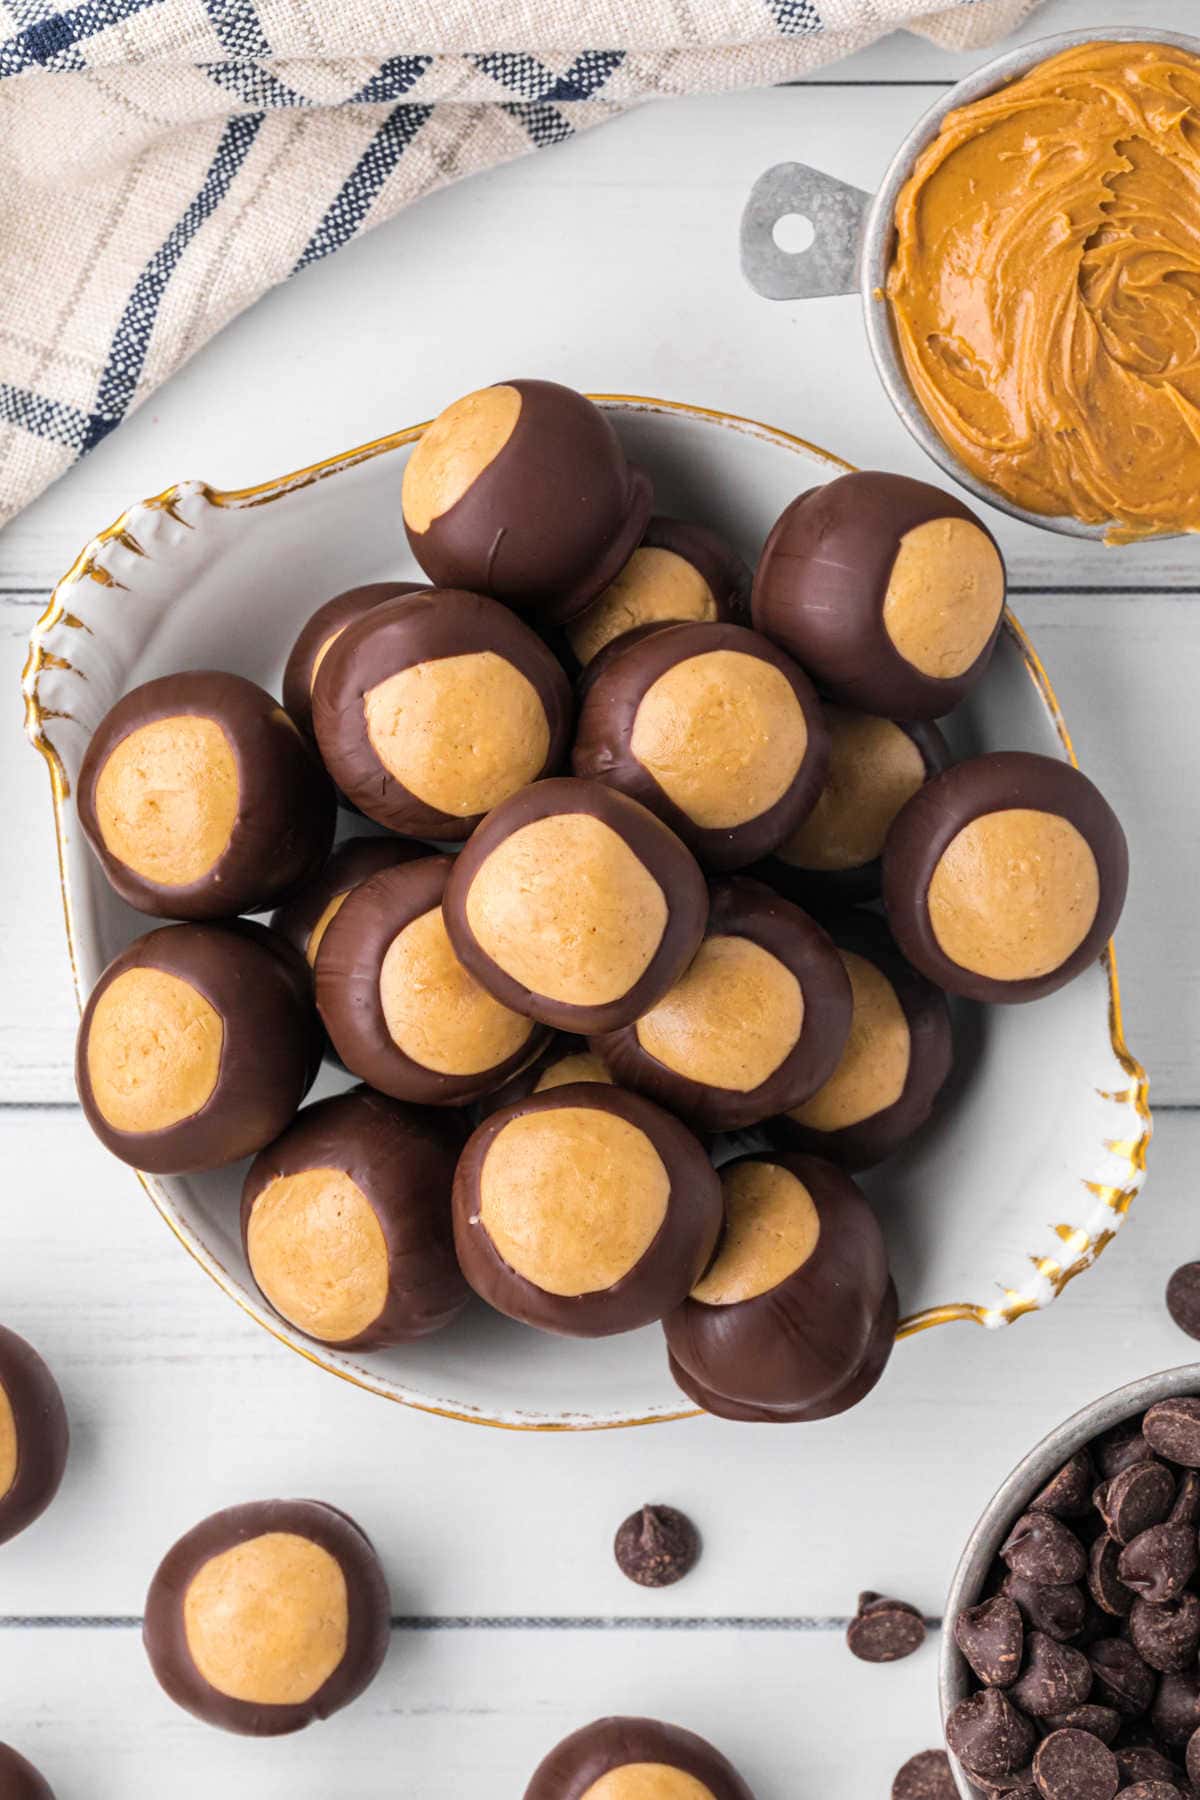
[[1166, 1636], [1103, 1722], [1192, 1759], [1073, 1765], [1068, 1494], [1183, 1298], [991, 1637], [1151, 1790], [656, 1546], [988, 1735], [1054, 1679], [1120, 1447], [926, 1776], [1159, 1563], [1058, 1611], [1041, 1548], [1172, 1428], [1142, 1762], [1104, 1581], [1136, 1499], [1122, 1679], [884, 1630], [1175, 1714], [1186, 1510]]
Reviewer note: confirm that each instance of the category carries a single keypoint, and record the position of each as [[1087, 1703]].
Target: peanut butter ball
[[319, 634], [635, 1759], [679, 571], [34, 1439], [522, 491], [268, 1616], [202, 800]]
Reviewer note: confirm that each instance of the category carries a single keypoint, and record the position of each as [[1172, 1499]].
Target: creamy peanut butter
[[1045, 287], [771, 1229], [436, 1012], [318, 1252], [153, 1050], [267, 1621], [733, 1016], [9, 1449], [647, 1781], [455, 450], [654, 585], [875, 1062], [874, 767], [167, 799]]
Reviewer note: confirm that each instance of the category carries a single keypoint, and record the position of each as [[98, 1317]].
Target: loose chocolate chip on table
[[884, 1630], [1068, 1495], [1120, 1447], [1104, 1583], [1054, 1679], [1042, 1549], [991, 1637], [1160, 1562], [1172, 1428], [1121, 1678], [989, 1736], [656, 1546], [1103, 1722], [1136, 1499], [925, 1776], [1166, 1636], [1058, 1611], [1186, 1510], [1183, 1298], [1175, 1714], [1073, 1765]]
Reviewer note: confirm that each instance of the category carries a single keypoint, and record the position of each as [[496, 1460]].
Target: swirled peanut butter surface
[[1045, 287]]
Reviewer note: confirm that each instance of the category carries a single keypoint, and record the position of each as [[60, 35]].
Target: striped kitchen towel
[[164, 162]]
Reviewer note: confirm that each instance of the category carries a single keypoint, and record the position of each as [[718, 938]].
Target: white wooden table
[[612, 264]]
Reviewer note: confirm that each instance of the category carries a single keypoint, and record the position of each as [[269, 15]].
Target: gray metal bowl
[[1010, 1501], [853, 235]]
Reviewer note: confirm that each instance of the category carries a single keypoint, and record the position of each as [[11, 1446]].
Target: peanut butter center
[[730, 1020], [874, 768], [582, 1066], [317, 934], [723, 734], [167, 799], [771, 1229], [1014, 894], [567, 909], [153, 1051], [462, 733], [572, 1198], [654, 585], [437, 1013], [874, 1065], [647, 1781], [266, 1622], [9, 1449], [944, 596], [318, 1252], [455, 450]]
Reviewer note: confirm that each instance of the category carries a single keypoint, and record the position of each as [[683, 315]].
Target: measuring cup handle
[[835, 210]]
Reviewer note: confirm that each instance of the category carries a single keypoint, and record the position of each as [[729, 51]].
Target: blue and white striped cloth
[[164, 162]]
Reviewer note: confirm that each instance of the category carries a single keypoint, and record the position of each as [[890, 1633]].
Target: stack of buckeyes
[[617, 919]]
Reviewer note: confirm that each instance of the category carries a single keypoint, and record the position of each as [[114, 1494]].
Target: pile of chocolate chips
[[1085, 1648]]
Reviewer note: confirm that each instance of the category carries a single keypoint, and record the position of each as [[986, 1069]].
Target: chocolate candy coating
[[875, 765], [202, 800], [790, 1315], [899, 1054], [346, 1222], [1002, 859], [34, 1437], [574, 1767], [609, 1205], [318, 634], [306, 916], [678, 571], [433, 708], [544, 510], [219, 1617], [195, 1048], [755, 1024], [19, 1780], [889, 591], [573, 904], [402, 1011], [713, 729]]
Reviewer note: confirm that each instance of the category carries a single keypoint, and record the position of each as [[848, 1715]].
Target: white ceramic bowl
[[1037, 1153]]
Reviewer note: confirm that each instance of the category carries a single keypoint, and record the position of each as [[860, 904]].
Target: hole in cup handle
[[836, 212]]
